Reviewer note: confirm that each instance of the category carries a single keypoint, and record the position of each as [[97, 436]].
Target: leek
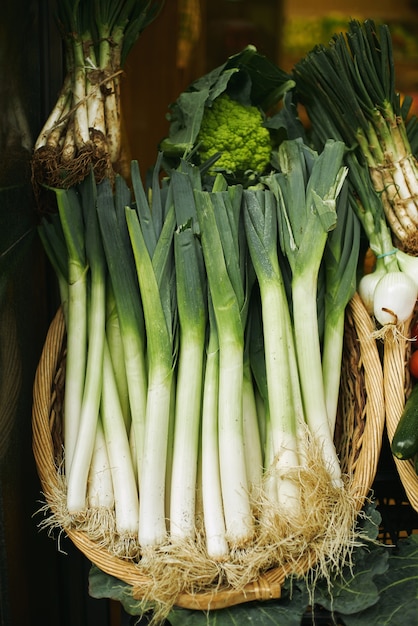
[[282, 444], [227, 304], [192, 317], [100, 486], [340, 263], [307, 189], [151, 256], [124, 482], [77, 476], [122, 274], [213, 512], [71, 217]]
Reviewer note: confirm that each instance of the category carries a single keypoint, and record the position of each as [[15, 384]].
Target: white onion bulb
[[366, 288], [395, 296]]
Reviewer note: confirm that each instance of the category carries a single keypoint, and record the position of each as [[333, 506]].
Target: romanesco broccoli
[[236, 131]]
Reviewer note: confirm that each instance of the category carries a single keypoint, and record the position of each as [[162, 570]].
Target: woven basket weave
[[358, 438], [397, 386]]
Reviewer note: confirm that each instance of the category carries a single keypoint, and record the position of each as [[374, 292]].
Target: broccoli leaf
[[355, 590], [380, 589], [269, 83], [398, 590], [286, 612]]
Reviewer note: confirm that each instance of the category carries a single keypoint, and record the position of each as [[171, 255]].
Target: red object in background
[[413, 364]]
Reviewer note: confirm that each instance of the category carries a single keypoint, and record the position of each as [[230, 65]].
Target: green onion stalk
[[389, 292], [349, 87], [83, 130]]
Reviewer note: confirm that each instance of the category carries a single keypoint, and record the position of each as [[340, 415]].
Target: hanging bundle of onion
[[83, 130], [349, 86]]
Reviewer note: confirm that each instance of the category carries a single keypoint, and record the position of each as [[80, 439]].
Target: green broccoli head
[[237, 132]]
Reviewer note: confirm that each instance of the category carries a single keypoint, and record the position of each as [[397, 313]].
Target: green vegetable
[[77, 477], [213, 515], [254, 86], [228, 297], [283, 400], [153, 259], [192, 318], [72, 222], [340, 267], [235, 131], [404, 444], [307, 189], [120, 264]]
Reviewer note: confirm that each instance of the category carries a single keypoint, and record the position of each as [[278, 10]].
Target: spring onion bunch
[[348, 88], [83, 130]]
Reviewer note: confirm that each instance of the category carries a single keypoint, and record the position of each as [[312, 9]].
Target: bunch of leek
[[83, 130], [306, 190]]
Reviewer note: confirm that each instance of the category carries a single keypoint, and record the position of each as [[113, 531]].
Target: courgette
[[405, 439]]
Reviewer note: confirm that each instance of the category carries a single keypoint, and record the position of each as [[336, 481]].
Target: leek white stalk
[[213, 514], [235, 491], [78, 475], [71, 216], [100, 486], [123, 476], [192, 315], [261, 228], [152, 530], [252, 440], [310, 184]]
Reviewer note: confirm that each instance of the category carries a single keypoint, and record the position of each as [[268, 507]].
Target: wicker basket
[[397, 386], [358, 438]]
